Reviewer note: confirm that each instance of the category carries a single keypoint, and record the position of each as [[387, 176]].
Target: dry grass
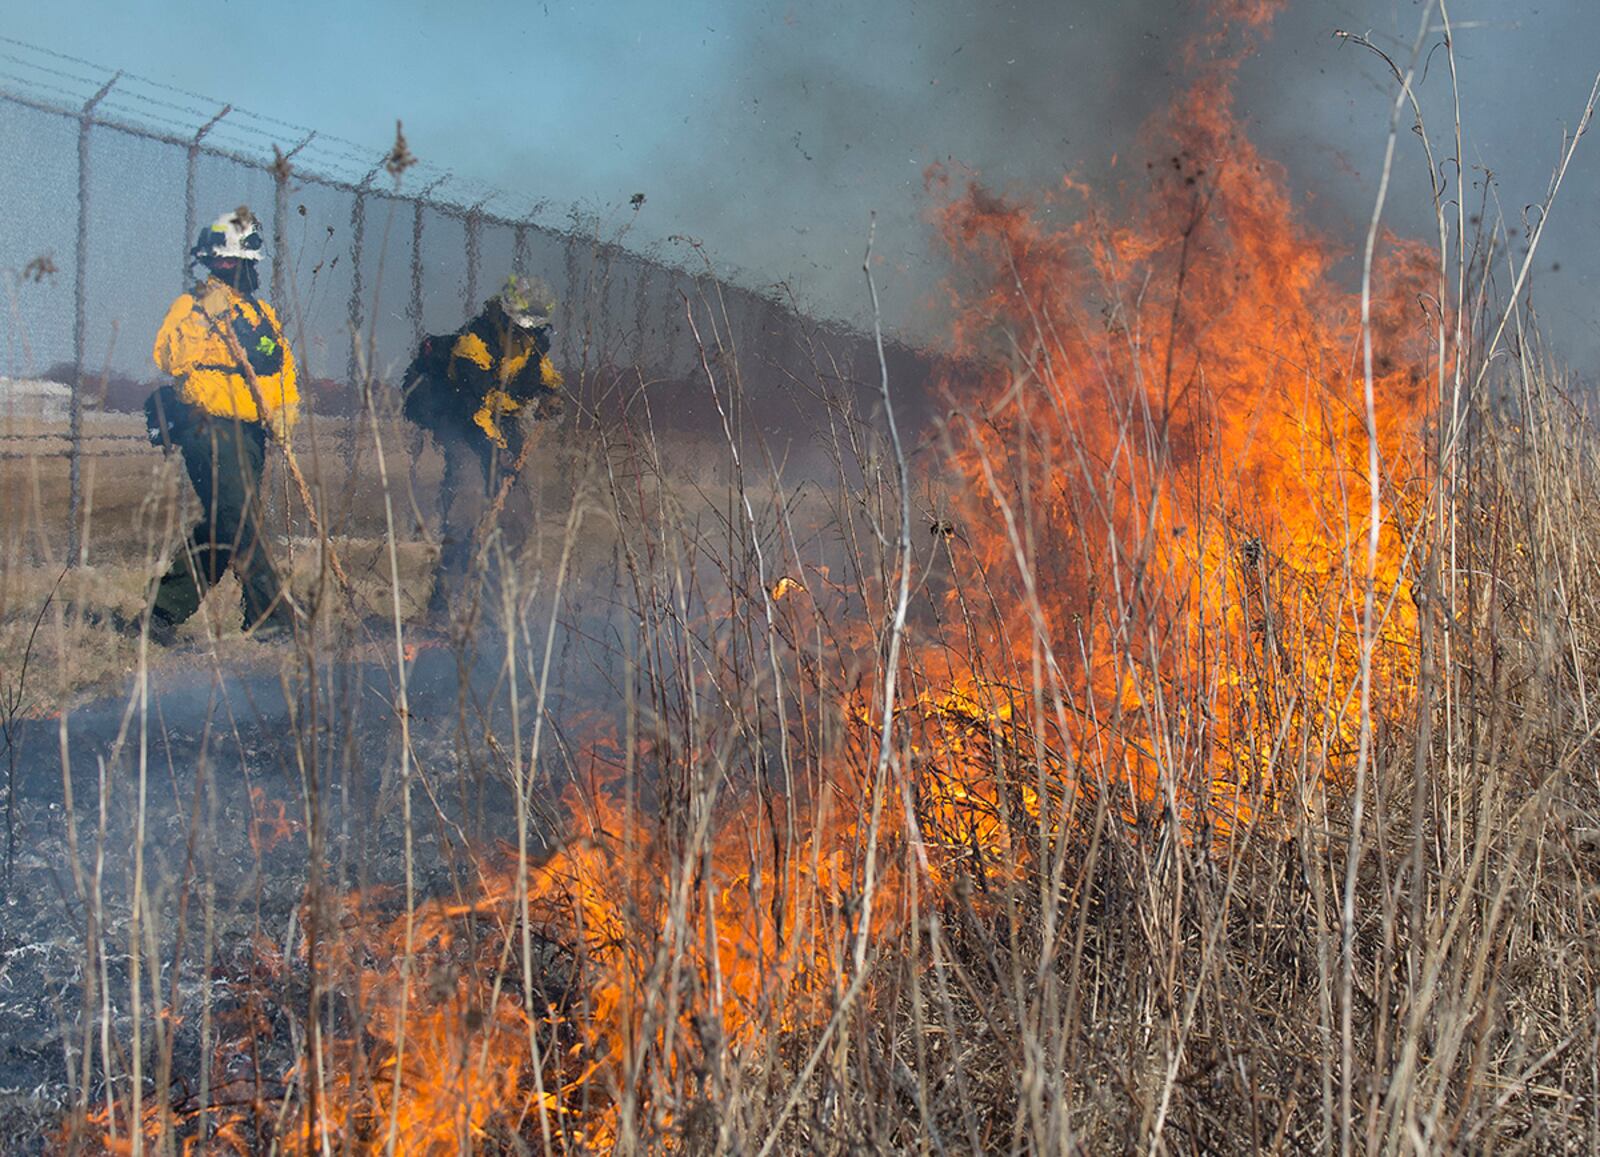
[[682, 858], [1114, 985]]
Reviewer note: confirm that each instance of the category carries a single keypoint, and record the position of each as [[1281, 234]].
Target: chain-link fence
[[110, 177]]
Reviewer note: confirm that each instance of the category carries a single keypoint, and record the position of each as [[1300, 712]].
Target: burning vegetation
[[1173, 465], [1177, 783]]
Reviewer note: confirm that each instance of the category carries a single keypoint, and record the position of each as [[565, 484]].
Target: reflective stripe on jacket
[[190, 348]]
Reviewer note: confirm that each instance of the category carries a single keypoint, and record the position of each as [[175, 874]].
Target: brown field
[[138, 504]]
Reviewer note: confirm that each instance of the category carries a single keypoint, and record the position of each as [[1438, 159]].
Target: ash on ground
[[194, 796]]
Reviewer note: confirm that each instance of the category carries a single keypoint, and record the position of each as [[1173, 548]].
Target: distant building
[[35, 398]]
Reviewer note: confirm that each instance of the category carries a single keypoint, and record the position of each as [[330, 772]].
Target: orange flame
[[269, 824], [1173, 467]]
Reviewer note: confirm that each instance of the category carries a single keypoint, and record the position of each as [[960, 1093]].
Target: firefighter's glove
[[261, 346], [525, 419], [545, 409]]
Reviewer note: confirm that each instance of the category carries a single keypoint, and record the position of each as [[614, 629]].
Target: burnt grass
[[223, 750]]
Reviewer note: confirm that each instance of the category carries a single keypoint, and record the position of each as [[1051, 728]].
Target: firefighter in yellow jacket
[[476, 390], [220, 417]]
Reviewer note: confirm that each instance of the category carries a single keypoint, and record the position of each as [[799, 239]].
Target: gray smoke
[[830, 112]]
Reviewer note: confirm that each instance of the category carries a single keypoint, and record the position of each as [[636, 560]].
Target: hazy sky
[[772, 130]]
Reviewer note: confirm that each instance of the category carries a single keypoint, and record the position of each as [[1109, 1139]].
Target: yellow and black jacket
[[480, 376], [191, 347]]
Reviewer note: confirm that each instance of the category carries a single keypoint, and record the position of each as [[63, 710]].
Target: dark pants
[[474, 469], [224, 458]]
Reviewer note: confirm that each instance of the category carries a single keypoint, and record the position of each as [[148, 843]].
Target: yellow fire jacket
[[191, 349], [508, 376]]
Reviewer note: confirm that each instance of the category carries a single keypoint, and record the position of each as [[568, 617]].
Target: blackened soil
[[178, 816]]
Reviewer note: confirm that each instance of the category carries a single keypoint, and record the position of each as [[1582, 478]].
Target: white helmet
[[527, 301], [236, 234]]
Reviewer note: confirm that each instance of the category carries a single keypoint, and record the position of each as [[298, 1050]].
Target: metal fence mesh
[[111, 177]]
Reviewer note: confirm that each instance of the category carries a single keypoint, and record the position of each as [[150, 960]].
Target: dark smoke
[[834, 111]]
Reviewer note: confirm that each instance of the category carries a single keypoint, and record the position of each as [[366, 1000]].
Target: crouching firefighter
[[220, 417], [478, 391]]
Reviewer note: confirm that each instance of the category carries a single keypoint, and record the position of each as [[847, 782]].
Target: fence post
[[641, 312], [77, 549], [358, 237], [519, 248], [569, 297], [415, 309], [359, 371], [474, 237], [190, 188]]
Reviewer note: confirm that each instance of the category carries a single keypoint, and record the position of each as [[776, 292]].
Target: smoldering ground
[[199, 793]]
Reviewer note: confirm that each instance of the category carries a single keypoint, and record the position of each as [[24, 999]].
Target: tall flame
[[1176, 458]]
